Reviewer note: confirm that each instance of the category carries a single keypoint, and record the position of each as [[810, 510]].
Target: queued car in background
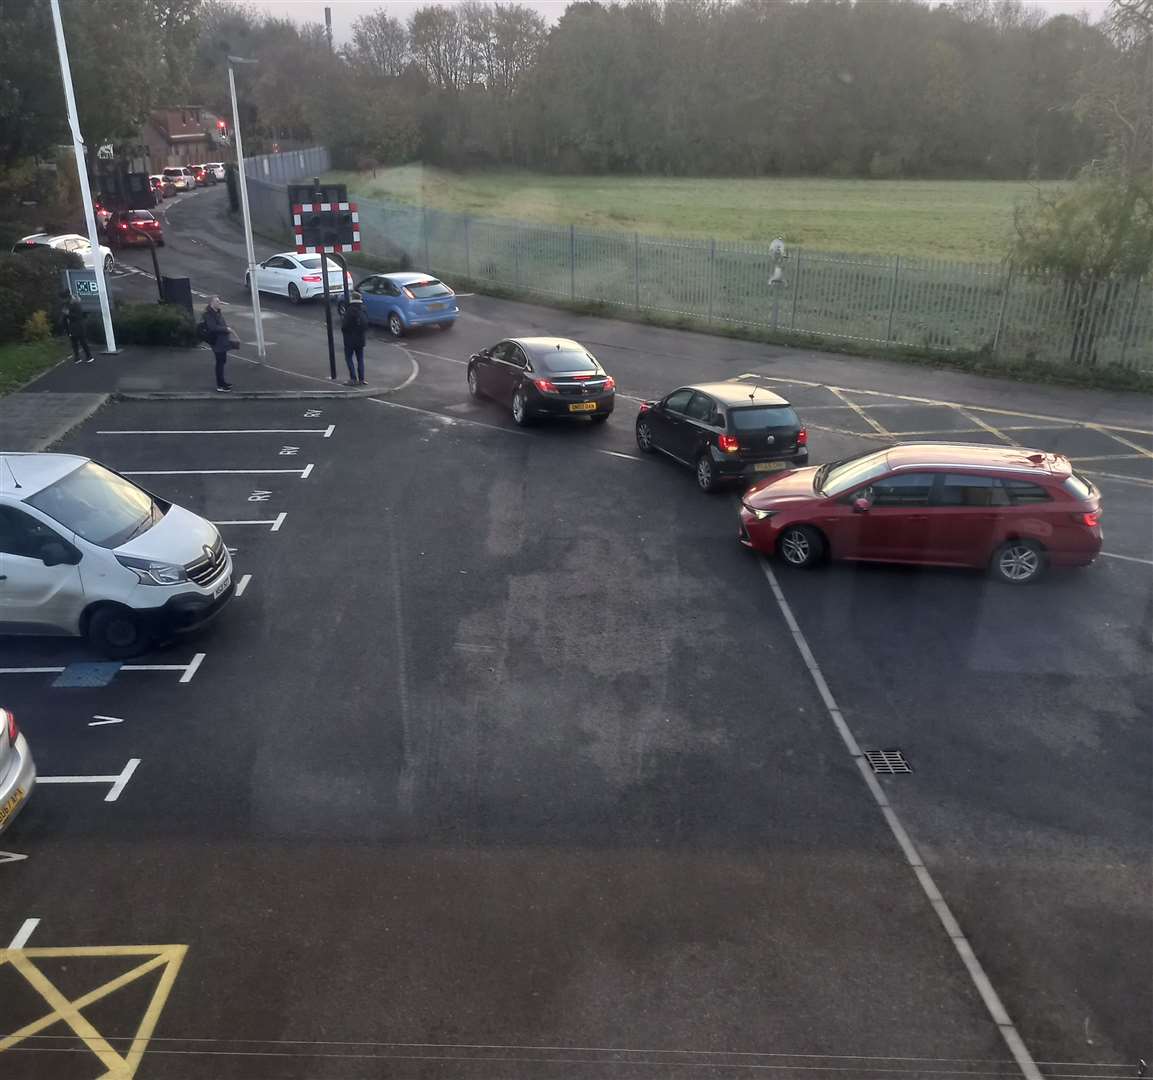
[[17, 770], [404, 301], [298, 276], [72, 242], [215, 169], [162, 185], [181, 177], [1005, 508], [543, 377], [86, 552], [200, 176], [127, 228], [724, 431]]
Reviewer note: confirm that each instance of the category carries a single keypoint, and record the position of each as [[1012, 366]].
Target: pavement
[[509, 761]]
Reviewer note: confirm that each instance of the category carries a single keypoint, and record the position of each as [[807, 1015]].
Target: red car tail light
[[544, 386], [10, 725], [645, 406], [729, 444], [1091, 519], [408, 292], [610, 383], [310, 277], [803, 437]]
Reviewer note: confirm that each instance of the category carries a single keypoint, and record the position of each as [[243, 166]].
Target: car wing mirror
[[861, 504], [57, 553]]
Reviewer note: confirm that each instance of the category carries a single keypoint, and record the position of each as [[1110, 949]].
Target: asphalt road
[[506, 762]]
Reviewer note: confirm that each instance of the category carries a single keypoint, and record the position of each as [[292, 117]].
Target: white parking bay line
[[23, 934], [1127, 558], [617, 453], [193, 668], [220, 472], [242, 584], [273, 523], [977, 973], [117, 783], [324, 432]]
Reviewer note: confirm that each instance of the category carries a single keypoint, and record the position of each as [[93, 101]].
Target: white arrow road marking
[[98, 720], [10, 856]]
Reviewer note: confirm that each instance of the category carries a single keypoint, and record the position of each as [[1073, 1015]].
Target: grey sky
[[345, 11]]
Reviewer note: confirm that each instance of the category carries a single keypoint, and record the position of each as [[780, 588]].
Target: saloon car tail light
[[803, 437], [1090, 519], [10, 725], [645, 406], [544, 386], [310, 277], [729, 444], [610, 383]]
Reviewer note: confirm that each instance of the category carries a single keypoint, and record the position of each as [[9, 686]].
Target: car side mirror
[[861, 504], [57, 553]]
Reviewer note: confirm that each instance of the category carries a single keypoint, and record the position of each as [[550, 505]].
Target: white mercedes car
[[73, 242], [298, 276]]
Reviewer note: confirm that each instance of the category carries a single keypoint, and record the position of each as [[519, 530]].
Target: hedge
[[147, 324], [30, 282]]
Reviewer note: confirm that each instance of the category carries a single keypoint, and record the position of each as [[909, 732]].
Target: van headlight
[[154, 573]]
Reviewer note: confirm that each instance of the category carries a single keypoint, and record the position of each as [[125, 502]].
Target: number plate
[[770, 466], [437, 307], [583, 406], [14, 800], [219, 590]]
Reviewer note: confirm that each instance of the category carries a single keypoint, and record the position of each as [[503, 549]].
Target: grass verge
[[21, 362]]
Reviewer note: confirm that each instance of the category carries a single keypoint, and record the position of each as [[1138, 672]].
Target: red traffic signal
[[220, 124]]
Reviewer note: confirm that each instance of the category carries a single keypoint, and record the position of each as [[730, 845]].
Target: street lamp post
[[241, 180], [82, 169]]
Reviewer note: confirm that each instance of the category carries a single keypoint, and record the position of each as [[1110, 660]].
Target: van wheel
[[1018, 562], [801, 546], [118, 632]]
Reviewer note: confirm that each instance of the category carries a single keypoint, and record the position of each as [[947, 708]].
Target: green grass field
[[21, 361], [968, 220]]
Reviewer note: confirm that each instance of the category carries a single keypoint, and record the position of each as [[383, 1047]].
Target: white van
[[86, 552], [181, 176]]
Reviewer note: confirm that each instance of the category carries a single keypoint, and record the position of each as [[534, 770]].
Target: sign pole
[[85, 187], [242, 180], [328, 316]]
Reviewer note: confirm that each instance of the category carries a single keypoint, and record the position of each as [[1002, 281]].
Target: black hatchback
[[724, 431], [541, 377]]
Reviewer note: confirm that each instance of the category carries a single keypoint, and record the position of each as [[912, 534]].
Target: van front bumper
[[191, 611]]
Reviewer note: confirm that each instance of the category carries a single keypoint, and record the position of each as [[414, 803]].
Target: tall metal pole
[[243, 181], [82, 169]]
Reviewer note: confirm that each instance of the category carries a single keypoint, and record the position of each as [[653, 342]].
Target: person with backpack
[[353, 325], [214, 331], [73, 319]]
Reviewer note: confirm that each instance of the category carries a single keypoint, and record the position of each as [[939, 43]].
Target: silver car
[[17, 772]]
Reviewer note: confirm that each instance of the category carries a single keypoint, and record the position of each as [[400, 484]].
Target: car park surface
[[541, 780]]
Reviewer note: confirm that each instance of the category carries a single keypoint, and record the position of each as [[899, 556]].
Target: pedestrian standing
[[77, 333], [215, 331], [353, 325]]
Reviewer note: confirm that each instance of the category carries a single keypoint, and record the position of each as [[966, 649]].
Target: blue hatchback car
[[404, 301]]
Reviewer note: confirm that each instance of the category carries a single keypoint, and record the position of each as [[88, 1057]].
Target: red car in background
[[129, 227], [1005, 508]]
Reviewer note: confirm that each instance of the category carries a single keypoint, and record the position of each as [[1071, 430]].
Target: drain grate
[[888, 761]]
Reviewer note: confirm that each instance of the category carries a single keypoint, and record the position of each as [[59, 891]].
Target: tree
[[438, 43], [379, 44]]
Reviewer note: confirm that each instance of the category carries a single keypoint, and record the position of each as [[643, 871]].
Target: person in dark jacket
[[217, 334], [353, 325], [77, 332]]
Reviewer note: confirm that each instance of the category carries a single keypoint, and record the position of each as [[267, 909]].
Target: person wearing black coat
[[353, 325], [77, 332], [216, 333]]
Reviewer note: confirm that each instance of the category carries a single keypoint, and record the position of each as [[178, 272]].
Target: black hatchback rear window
[[760, 417]]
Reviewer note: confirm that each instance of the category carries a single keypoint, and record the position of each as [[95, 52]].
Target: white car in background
[[182, 178], [298, 276], [17, 772], [216, 168], [72, 242]]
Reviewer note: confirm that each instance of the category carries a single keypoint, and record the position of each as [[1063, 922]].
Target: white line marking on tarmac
[[1144, 451], [279, 521], [11, 856], [447, 419], [242, 584], [617, 453], [30, 670], [117, 782], [100, 721], [988, 427], [878, 428], [274, 522], [977, 973], [212, 472], [192, 668], [306, 472], [1126, 558], [1117, 476], [326, 432], [23, 934]]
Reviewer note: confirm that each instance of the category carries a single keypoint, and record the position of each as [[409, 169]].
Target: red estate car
[[1006, 508], [128, 227]]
